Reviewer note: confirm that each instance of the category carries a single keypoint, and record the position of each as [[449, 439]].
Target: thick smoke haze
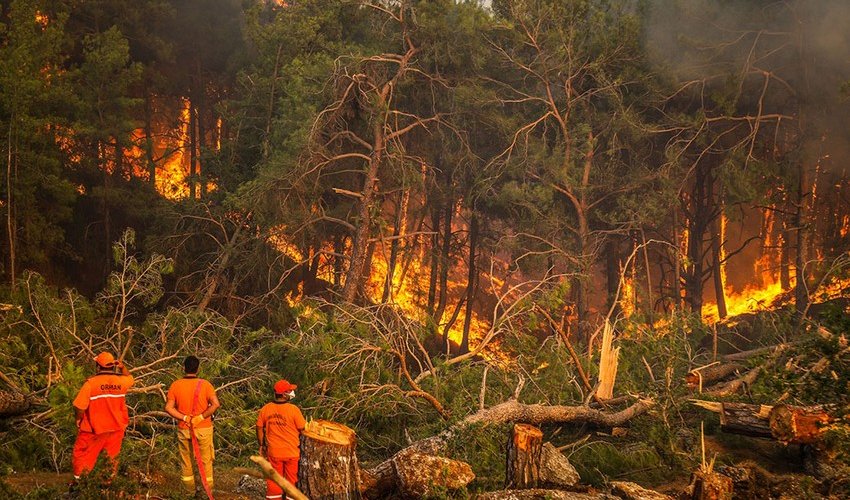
[[804, 43]]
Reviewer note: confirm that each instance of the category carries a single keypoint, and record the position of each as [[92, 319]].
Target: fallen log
[[13, 403], [540, 494], [733, 386], [740, 418], [328, 468], [421, 476], [523, 466], [633, 491], [706, 375], [798, 425], [380, 477]]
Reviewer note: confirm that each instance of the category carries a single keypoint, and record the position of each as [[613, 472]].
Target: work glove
[[197, 419]]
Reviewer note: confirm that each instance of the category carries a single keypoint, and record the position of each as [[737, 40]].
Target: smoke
[[805, 46]]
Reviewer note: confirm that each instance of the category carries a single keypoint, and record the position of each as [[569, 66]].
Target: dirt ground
[[164, 486]]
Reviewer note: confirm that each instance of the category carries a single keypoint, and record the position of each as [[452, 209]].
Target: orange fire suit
[[182, 392], [282, 424], [102, 398]]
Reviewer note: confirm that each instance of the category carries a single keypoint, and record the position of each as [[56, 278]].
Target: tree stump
[[793, 424], [328, 469], [523, 466], [709, 485]]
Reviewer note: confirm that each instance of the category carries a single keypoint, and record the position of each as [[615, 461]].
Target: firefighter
[[279, 426], [101, 414], [192, 402]]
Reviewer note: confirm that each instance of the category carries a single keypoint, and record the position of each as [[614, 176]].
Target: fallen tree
[[381, 478]]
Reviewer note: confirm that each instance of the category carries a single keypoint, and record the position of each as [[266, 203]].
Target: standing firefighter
[[101, 413], [192, 401], [279, 426]]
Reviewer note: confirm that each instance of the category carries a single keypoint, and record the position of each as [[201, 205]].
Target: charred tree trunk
[[435, 258], [360, 241], [612, 274], [149, 140], [717, 241], [10, 218], [328, 468], [398, 232], [523, 464], [339, 259], [801, 296], [677, 263], [193, 145], [471, 281], [445, 259]]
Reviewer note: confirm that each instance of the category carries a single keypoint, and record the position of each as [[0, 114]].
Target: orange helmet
[[105, 360]]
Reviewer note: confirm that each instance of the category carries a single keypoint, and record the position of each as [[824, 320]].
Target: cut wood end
[[527, 429], [329, 432]]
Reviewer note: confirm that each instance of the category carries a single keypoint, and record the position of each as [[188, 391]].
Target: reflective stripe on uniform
[[188, 478], [274, 496], [106, 396]]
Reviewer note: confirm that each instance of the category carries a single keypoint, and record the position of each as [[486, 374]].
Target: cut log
[[707, 375], [732, 386], [556, 471], [798, 425], [523, 466], [538, 494], [13, 403], [328, 469], [740, 418], [709, 485], [421, 476], [633, 491]]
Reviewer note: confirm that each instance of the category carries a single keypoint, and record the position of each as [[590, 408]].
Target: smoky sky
[[803, 43]]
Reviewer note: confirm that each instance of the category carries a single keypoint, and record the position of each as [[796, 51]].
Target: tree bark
[[328, 468], [741, 418], [523, 457], [798, 425], [702, 377], [717, 241], [425, 476], [13, 403], [360, 241]]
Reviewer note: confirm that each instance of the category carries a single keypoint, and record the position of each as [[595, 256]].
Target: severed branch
[[268, 472]]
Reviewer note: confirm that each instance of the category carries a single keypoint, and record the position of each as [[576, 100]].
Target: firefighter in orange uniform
[[192, 401], [279, 426], [101, 413]]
